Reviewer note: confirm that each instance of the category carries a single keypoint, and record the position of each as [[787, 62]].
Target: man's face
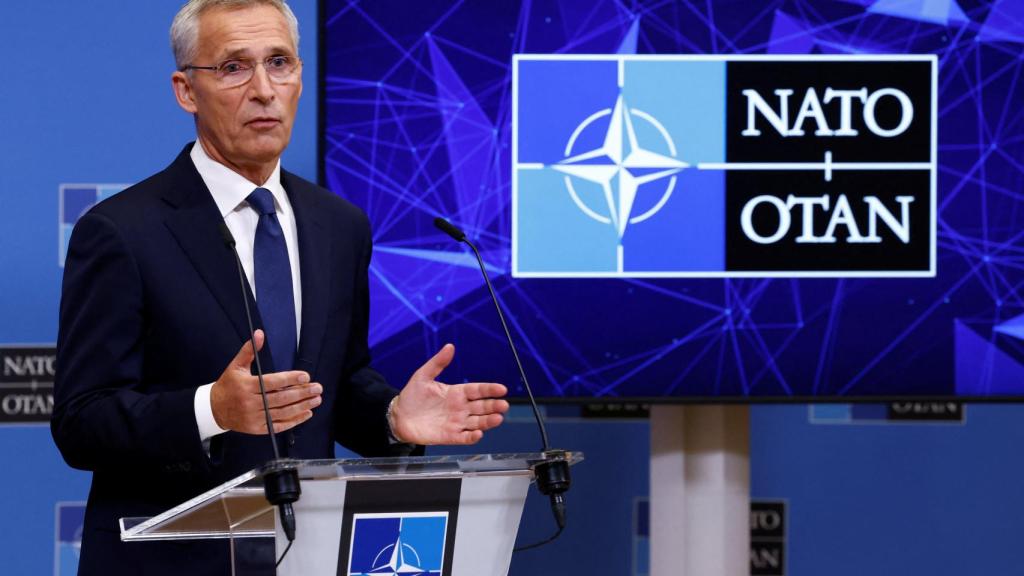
[[246, 126]]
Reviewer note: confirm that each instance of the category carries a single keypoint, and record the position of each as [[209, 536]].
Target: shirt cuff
[[208, 427]]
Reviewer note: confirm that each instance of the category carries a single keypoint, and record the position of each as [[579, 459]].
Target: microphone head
[[229, 240], [449, 229]]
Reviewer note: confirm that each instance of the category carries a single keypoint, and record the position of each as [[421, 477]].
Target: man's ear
[[183, 92]]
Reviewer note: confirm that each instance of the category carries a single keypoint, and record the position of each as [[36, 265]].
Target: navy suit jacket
[[151, 309]]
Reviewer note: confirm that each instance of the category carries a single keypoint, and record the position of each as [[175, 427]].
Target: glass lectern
[[455, 515]]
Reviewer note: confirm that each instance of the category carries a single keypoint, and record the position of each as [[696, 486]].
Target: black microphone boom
[[552, 474], [449, 229], [460, 236], [280, 481]]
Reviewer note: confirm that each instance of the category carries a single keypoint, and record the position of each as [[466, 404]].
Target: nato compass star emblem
[[396, 559], [621, 165]]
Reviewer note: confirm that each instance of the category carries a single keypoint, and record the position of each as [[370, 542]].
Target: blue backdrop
[[90, 103]]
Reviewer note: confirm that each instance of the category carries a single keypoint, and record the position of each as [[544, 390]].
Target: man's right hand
[[236, 402]]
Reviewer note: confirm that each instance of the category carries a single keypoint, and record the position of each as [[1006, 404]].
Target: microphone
[[450, 229], [281, 484], [552, 474]]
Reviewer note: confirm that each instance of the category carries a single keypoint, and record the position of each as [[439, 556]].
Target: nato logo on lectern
[[719, 166], [406, 544]]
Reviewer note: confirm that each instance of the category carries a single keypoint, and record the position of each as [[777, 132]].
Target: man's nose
[[260, 87]]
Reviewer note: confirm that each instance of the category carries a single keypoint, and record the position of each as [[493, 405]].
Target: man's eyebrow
[[246, 53]]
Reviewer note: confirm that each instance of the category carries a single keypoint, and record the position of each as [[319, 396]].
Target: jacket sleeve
[[104, 415], [361, 415]]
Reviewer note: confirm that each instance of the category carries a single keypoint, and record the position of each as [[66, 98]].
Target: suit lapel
[[195, 222], [314, 268]]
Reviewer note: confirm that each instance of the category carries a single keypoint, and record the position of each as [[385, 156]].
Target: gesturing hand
[[430, 412], [235, 396]]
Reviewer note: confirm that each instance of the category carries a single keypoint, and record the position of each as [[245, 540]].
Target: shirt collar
[[229, 188]]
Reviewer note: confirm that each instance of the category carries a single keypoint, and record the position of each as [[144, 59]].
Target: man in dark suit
[[154, 390]]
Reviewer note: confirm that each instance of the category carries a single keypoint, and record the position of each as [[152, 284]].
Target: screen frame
[[322, 39]]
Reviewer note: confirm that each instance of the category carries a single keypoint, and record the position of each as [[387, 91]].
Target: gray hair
[[185, 28]]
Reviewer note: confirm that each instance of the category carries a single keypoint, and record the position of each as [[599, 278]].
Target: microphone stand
[[552, 474], [281, 482]]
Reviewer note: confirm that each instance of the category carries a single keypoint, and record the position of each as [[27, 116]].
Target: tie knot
[[262, 201]]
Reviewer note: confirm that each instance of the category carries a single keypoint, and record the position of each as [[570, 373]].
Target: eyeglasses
[[235, 72]]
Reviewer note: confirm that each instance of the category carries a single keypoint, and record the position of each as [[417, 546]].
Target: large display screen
[[731, 201]]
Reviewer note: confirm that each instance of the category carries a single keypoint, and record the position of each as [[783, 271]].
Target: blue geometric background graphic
[[417, 114]]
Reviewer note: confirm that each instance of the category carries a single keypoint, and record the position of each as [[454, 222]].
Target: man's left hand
[[431, 412]]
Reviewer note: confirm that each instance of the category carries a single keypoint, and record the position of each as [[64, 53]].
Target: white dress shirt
[[229, 190]]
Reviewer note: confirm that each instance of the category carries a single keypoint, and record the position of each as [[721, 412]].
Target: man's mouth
[[263, 122]]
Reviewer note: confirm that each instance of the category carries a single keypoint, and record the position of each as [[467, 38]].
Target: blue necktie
[[273, 279]]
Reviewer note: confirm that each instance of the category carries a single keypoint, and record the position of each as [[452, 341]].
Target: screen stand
[[700, 490]]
